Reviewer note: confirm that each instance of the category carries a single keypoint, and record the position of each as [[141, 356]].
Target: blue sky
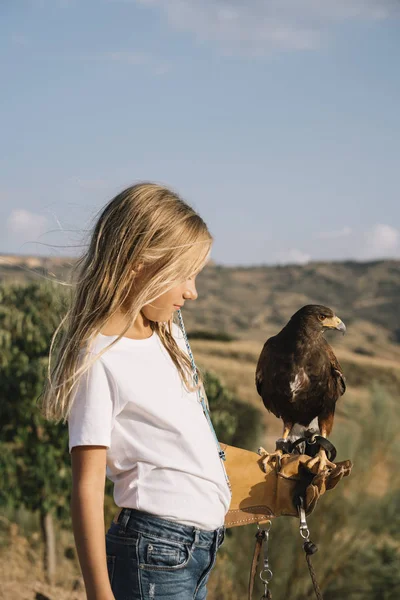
[[277, 120]]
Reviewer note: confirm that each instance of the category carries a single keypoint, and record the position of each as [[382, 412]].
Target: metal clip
[[304, 531], [266, 573]]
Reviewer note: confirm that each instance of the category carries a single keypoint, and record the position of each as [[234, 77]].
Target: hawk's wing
[[272, 376], [337, 372]]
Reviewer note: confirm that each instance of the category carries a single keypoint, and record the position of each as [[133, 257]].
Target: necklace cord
[[221, 453]]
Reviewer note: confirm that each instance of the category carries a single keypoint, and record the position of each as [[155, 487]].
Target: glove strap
[[262, 537], [316, 439], [308, 546]]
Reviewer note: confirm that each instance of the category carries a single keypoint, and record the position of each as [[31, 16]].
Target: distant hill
[[255, 302]]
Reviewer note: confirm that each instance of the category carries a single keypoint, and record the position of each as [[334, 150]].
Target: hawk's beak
[[335, 323], [341, 327]]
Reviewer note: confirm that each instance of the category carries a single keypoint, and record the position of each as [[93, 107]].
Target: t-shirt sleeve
[[93, 409]]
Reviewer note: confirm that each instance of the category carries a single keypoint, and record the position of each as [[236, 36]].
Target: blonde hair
[[146, 224]]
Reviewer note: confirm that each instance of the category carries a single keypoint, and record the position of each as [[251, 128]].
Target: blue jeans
[[149, 558]]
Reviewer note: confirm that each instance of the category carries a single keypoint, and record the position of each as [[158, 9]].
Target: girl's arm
[[87, 513]]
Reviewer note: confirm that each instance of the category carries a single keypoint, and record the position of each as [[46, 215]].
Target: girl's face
[[162, 308]]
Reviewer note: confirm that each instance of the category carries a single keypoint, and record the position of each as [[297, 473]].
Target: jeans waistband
[[131, 519]]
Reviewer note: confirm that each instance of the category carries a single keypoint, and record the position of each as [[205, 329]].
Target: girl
[[126, 382]]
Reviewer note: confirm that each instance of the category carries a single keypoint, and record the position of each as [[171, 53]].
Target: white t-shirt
[[161, 453]]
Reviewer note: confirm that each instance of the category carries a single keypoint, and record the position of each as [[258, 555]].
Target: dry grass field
[[251, 305]]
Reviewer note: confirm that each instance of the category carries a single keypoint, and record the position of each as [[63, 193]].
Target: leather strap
[[260, 537], [319, 440]]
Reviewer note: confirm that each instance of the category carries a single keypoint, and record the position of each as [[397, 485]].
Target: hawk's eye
[[321, 317]]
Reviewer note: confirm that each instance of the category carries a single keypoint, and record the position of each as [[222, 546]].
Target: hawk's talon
[[322, 460], [268, 457]]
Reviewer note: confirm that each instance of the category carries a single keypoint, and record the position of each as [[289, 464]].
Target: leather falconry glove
[[258, 496]]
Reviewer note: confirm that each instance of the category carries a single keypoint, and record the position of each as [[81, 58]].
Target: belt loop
[[124, 518], [196, 538]]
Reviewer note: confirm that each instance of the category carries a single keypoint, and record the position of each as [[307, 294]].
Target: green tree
[[235, 422], [34, 458]]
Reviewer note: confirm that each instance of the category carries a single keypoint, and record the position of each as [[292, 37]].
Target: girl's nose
[[190, 292]]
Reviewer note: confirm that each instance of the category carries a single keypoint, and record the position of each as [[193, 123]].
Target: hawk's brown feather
[[298, 375]]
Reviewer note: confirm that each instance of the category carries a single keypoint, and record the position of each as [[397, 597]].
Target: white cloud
[[382, 241], [18, 39], [45, 3], [133, 58], [139, 58], [90, 184], [294, 256], [22, 223], [331, 235], [260, 26], [377, 242]]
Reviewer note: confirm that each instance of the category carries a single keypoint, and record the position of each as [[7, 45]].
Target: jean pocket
[[116, 534], [162, 554]]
